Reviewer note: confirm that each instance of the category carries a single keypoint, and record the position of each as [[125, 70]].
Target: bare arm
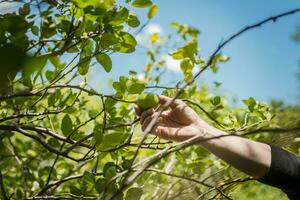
[[181, 123], [250, 157]]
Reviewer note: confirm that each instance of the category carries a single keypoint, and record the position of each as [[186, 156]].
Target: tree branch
[[204, 111], [42, 130]]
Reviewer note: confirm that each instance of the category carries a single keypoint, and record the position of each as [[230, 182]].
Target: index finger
[[138, 111]]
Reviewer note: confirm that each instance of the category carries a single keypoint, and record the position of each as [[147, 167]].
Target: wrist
[[208, 133]]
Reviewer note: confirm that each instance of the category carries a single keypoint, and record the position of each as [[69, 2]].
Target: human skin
[[182, 123]]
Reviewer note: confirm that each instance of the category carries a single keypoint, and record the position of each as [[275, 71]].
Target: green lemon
[[147, 100]]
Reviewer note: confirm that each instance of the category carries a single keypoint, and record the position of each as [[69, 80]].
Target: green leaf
[[240, 116], [110, 103], [152, 11], [134, 193], [223, 58], [133, 20], [109, 170], [35, 30], [121, 85], [84, 64], [141, 3], [49, 28], [177, 55], [185, 30], [126, 163], [135, 86], [216, 100], [180, 157], [186, 65], [67, 125], [56, 62], [27, 82], [190, 49], [98, 134], [100, 185], [250, 103], [217, 84], [120, 17], [88, 177], [218, 58], [53, 98], [105, 61], [104, 4], [34, 64], [74, 190], [127, 44], [94, 13], [112, 139], [87, 48], [107, 40], [49, 75], [108, 4]]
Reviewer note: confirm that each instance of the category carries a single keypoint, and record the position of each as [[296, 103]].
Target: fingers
[[141, 113], [164, 99], [146, 114], [163, 132], [138, 111], [158, 127], [148, 120]]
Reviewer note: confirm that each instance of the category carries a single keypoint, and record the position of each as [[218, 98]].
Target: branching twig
[[205, 112], [42, 130], [225, 184], [91, 92]]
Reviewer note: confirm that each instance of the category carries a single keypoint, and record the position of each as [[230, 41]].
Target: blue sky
[[263, 61]]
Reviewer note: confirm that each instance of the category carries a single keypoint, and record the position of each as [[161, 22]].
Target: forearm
[[250, 157]]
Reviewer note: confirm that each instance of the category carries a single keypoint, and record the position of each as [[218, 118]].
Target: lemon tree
[[60, 138]]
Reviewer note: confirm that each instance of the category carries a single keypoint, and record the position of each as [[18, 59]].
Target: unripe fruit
[[147, 100]]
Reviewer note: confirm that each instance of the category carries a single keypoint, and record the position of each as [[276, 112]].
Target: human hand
[[178, 124]]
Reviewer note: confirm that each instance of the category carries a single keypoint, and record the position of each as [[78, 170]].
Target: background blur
[[263, 62]]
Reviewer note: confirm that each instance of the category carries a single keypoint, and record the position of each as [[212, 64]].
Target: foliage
[[60, 138]]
